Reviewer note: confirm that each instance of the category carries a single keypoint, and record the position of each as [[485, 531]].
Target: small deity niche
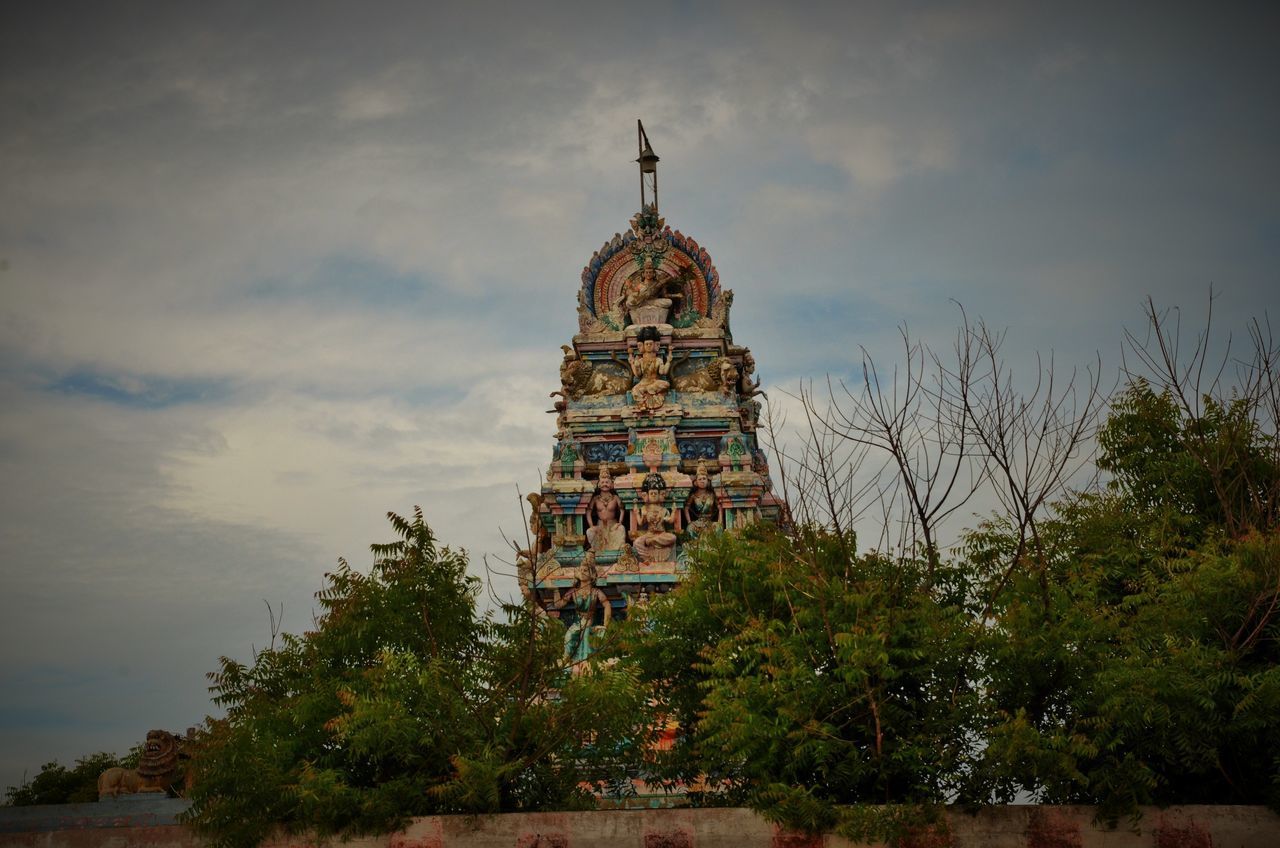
[[591, 607], [650, 370], [650, 292], [702, 507], [649, 297], [650, 536], [605, 531], [566, 460], [749, 383]]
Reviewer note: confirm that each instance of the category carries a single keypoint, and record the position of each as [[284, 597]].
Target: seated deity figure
[[652, 541], [648, 297], [702, 509], [604, 529], [585, 597], [650, 371]]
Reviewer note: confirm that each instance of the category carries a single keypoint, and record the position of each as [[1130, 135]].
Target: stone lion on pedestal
[[579, 379], [718, 375], [159, 769]]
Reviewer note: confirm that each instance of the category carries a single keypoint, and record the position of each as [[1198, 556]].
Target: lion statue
[[159, 769], [579, 379], [718, 375]]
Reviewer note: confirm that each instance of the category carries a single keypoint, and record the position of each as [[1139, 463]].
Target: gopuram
[[655, 429]]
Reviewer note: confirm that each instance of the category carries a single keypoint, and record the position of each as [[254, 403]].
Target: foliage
[[1213, 469], [404, 701], [805, 678], [1152, 675], [1128, 657], [57, 784]]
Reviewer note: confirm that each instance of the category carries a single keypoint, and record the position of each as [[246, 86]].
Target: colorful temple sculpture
[[656, 420]]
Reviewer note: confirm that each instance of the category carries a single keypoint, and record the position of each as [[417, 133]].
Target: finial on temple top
[[648, 169]]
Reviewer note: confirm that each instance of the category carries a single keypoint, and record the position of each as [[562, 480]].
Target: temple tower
[[655, 428]]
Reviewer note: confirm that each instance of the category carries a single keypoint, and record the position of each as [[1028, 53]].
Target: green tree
[[404, 701], [1195, 473], [1153, 674], [805, 678], [57, 784]]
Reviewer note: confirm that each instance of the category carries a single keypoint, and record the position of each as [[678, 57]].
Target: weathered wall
[[149, 823]]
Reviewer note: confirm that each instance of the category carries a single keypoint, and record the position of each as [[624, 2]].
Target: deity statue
[[604, 530], [538, 534], [702, 509], [540, 547], [650, 371], [652, 541], [747, 388], [649, 293], [585, 597], [648, 296]]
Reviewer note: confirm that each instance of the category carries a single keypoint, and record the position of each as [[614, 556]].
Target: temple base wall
[[108, 825]]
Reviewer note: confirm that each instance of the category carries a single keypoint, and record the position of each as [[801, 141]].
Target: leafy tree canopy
[[1150, 673], [404, 701], [805, 677], [57, 784]]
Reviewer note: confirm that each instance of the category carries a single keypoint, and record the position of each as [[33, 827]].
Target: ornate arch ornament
[[671, 253]]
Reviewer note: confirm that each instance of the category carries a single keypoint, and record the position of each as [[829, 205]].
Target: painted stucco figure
[[604, 516], [586, 599], [650, 371], [717, 375], [580, 379], [653, 542], [701, 509]]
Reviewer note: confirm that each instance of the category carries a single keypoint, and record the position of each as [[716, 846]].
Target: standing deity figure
[[528, 559], [702, 509], [585, 597], [650, 371], [604, 528], [653, 542], [749, 387]]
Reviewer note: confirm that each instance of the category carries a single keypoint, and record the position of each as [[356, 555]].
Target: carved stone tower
[[655, 429]]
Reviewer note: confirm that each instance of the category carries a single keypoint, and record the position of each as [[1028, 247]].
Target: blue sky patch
[[142, 391]]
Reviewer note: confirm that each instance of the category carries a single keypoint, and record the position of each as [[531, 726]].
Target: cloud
[[394, 93], [876, 155]]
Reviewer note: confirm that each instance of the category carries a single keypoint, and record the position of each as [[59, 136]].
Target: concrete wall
[[122, 824]]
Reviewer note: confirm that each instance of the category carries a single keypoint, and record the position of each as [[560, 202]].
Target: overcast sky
[[268, 271]]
